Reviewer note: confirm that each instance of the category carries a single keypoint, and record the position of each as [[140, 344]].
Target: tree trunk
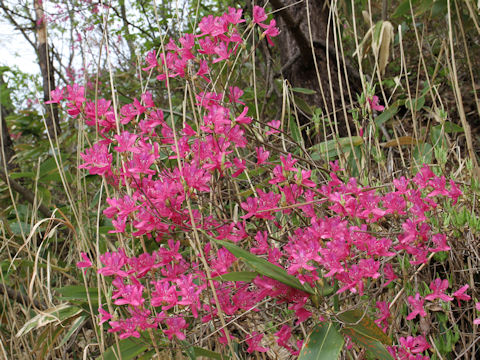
[[46, 68], [336, 82], [6, 141]]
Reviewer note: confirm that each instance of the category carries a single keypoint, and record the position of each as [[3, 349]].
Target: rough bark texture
[[298, 63], [46, 68], [7, 143]]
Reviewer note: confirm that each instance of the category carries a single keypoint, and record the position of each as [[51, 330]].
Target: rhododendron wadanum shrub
[[303, 242]]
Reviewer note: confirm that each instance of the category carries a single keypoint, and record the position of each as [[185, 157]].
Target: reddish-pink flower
[[253, 342], [416, 303], [374, 105], [86, 263], [460, 294], [438, 286]]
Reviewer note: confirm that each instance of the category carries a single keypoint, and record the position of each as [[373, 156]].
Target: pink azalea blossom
[[460, 294], [416, 303], [259, 15], [373, 103], [439, 286], [253, 341], [176, 325], [104, 316]]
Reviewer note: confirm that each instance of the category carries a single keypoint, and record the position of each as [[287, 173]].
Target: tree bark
[[46, 68], [336, 81], [7, 144]]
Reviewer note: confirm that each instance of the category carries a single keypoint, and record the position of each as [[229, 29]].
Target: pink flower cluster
[[338, 241]]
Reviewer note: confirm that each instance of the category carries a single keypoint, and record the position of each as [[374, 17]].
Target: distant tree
[[337, 82]]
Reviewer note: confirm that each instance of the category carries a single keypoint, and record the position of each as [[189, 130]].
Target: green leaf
[[246, 276], [49, 170], [365, 333], [304, 91], [18, 175], [206, 353], [129, 349], [17, 228], [423, 153], [415, 104], [450, 127], [386, 115], [373, 347], [79, 293], [302, 105], [403, 8], [265, 268], [323, 343], [329, 147], [75, 326], [295, 131], [364, 325], [57, 314]]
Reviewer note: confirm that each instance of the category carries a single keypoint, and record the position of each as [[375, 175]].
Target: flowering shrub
[[191, 200]]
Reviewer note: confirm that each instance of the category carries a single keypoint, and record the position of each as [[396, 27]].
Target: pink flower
[[222, 51], [262, 155], [271, 31], [114, 262], [273, 125], [55, 96], [240, 164], [175, 327], [259, 15], [373, 103], [86, 263], [389, 273], [438, 286], [242, 118], [441, 241], [283, 335], [151, 60], [234, 16], [384, 315], [97, 160], [104, 316], [415, 345], [460, 294], [253, 342], [235, 93], [126, 142], [131, 294], [416, 304]]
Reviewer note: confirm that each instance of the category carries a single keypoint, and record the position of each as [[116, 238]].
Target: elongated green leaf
[[295, 131], [302, 105], [19, 175], [206, 353], [364, 325], [423, 153], [373, 347], [386, 115], [129, 348], [330, 147], [56, 314], [246, 276], [304, 91], [323, 343], [265, 268], [79, 293], [451, 127], [415, 104], [77, 323]]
